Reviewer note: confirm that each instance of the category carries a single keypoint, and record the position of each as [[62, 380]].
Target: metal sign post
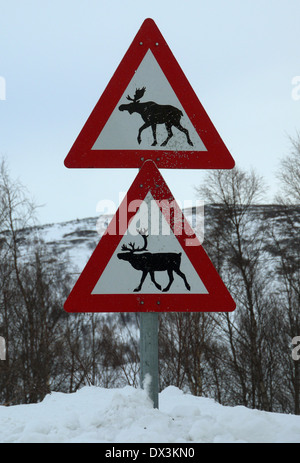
[[149, 376]]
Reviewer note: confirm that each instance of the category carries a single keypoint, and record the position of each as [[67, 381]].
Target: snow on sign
[[149, 111], [149, 259]]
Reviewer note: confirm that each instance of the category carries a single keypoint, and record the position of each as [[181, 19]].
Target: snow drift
[[126, 415]]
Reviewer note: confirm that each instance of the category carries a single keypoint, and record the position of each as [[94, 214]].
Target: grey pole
[[149, 354]]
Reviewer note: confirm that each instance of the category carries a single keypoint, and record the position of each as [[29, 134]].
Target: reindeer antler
[[126, 248], [142, 232], [131, 246]]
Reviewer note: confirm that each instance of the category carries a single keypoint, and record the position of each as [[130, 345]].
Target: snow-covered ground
[[126, 415], [97, 415]]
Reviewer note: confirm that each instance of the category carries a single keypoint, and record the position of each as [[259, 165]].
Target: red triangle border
[[81, 154], [81, 298]]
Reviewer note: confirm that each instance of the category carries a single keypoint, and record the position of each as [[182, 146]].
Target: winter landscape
[[219, 121], [114, 412]]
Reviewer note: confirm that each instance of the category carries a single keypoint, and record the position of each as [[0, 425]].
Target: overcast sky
[[241, 57]]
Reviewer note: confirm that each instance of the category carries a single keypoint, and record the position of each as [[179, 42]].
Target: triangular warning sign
[[149, 259], [149, 111]]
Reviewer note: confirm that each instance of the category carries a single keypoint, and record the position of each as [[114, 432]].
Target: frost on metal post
[[2, 348]]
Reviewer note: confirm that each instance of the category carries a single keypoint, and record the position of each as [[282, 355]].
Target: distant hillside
[[78, 238]]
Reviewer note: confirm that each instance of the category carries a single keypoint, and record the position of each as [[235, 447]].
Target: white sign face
[[152, 117], [162, 267]]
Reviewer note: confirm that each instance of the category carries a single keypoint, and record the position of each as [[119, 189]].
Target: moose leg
[[185, 131], [153, 280], [170, 134], [144, 126], [154, 134], [182, 275], [170, 273], [145, 273]]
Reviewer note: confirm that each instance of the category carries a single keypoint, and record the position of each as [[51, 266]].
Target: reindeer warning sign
[[160, 264], [149, 111], [149, 259]]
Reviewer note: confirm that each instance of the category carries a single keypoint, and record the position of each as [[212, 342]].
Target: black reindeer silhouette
[[153, 114], [149, 262]]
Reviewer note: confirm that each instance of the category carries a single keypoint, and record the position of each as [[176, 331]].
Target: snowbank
[[126, 415]]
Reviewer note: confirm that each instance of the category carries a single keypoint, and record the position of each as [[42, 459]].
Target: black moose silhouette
[[153, 114], [149, 262]]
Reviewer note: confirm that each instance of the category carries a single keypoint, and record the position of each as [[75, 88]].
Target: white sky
[[57, 57]]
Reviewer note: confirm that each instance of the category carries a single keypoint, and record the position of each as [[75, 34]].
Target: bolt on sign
[[149, 111], [149, 259]]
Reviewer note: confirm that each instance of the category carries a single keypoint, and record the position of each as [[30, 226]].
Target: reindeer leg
[[170, 273], [153, 280], [139, 139], [185, 131], [182, 275], [170, 134], [154, 134], [145, 273]]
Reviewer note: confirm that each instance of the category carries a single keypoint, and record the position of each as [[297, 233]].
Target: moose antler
[[139, 92]]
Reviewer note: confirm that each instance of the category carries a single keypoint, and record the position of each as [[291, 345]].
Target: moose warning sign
[[149, 259], [154, 114], [149, 111], [154, 118]]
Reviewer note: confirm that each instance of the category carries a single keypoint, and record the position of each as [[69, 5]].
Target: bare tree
[[289, 175], [30, 295], [286, 250], [237, 237], [185, 340]]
